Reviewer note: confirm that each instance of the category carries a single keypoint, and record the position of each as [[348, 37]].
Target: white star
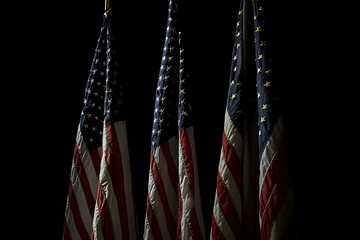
[[267, 84]]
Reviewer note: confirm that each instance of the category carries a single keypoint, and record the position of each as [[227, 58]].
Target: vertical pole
[[107, 4]]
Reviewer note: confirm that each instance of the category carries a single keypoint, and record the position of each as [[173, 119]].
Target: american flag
[[227, 218], [174, 208], [276, 198], [253, 194], [100, 200]]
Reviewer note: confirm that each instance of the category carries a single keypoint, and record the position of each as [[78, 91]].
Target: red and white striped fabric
[[174, 208], [190, 217], [254, 196], [84, 176], [162, 200], [101, 166], [82, 191], [227, 211], [276, 192], [114, 216], [276, 197], [235, 209]]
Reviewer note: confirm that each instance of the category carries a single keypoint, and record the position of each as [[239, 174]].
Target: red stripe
[[274, 191], [170, 221], [228, 209], [189, 165], [187, 156], [96, 159], [194, 225], [215, 231], [173, 174], [66, 234], [232, 161], [104, 215], [154, 226], [76, 213], [84, 181], [115, 169]]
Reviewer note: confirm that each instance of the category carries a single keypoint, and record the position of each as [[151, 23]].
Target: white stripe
[[190, 200], [97, 228], [230, 185], [87, 163], [108, 189], [70, 221], [221, 221], [128, 191], [147, 230], [80, 198], [233, 136], [171, 193], [157, 207], [236, 141], [186, 197], [284, 217], [270, 150]]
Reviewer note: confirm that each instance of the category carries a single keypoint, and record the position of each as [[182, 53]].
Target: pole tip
[[107, 4]]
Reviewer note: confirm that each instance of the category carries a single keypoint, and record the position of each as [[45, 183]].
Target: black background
[[55, 45]]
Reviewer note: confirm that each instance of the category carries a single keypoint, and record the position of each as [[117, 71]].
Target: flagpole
[[107, 4]]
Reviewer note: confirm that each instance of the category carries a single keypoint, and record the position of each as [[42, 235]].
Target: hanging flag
[[100, 182], [84, 177], [114, 216], [190, 216], [232, 198], [253, 157], [174, 208], [276, 198]]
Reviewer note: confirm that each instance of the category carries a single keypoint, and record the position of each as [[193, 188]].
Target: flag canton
[[184, 108], [166, 111], [92, 115], [268, 98], [236, 98]]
